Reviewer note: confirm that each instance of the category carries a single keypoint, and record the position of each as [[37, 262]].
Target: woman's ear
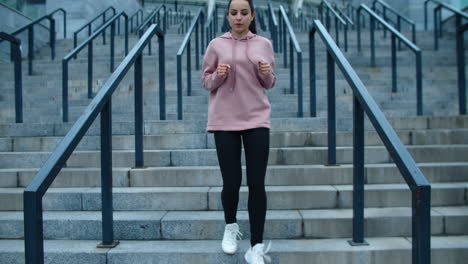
[[253, 15]]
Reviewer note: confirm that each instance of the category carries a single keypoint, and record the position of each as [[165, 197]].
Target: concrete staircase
[[171, 212]]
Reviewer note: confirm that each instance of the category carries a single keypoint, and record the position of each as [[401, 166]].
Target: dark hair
[[252, 27]]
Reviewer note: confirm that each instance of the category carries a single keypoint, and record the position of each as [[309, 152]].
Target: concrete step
[[208, 198], [154, 127], [445, 249], [204, 140], [195, 225], [277, 175], [207, 157]]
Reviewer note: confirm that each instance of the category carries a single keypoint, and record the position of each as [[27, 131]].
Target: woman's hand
[[264, 67], [222, 69]]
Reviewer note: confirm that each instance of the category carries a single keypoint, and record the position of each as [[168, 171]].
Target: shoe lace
[[233, 234], [263, 253]]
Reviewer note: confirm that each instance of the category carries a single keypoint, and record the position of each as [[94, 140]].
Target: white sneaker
[[229, 243], [257, 255]]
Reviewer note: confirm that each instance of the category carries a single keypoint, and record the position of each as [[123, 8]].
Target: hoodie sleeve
[[210, 78], [268, 80]]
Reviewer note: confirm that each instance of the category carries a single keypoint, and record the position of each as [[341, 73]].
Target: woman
[[237, 67]]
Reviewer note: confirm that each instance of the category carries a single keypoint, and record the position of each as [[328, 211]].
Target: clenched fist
[[264, 67], [222, 69]]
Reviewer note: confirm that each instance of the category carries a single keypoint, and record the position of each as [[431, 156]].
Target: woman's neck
[[239, 36]]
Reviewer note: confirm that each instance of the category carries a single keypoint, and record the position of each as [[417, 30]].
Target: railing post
[[52, 38], [394, 65], [106, 178], [33, 228], [138, 70], [162, 79], [312, 74], [414, 33], [189, 69], [399, 30], [359, 29], [30, 49], [372, 40], [331, 110], [421, 225], [64, 91], [291, 69], [284, 41], [358, 175], [337, 32], [179, 86], [16, 54], [197, 46], [104, 31], [436, 44], [425, 15], [460, 66], [419, 97], [90, 69], [346, 37], [126, 36], [299, 84], [112, 48]]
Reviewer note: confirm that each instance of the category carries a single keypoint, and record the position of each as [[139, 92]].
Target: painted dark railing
[[326, 7], [459, 16], [101, 104], [399, 17], [363, 103], [184, 23], [30, 28], [286, 28], [211, 27], [138, 16], [261, 18], [461, 68], [90, 23], [273, 26], [153, 18], [197, 23], [395, 35], [15, 54], [89, 43], [343, 14]]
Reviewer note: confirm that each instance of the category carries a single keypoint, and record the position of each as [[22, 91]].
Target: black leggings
[[256, 145]]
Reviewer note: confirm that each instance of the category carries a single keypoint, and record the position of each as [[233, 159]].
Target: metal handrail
[[139, 16], [30, 28], [400, 17], [89, 26], [446, 6], [343, 15], [293, 44], [15, 54], [395, 35], [461, 68], [273, 26], [438, 17], [363, 103], [151, 19], [338, 18], [100, 105], [89, 43], [211, 28], [185, 46]]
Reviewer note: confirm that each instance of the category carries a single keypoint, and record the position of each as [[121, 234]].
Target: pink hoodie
[[237, 99]]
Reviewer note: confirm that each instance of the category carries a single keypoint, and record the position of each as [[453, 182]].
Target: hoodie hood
[[228, 35]]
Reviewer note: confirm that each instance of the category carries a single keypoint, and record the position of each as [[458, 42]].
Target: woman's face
[[240, 16]]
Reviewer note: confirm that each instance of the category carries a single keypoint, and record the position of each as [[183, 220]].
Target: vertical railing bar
[[90, 69], [106, 176], [162, 79], [331, 110], [138, 72]]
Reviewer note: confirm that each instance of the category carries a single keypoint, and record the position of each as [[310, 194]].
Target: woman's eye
[[233, 13], [245, 13]]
